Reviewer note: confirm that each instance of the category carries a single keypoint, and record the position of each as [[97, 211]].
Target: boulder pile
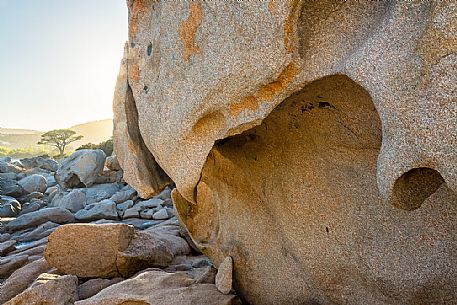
[[75, 233]]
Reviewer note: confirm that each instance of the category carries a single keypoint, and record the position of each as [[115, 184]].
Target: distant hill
[[18, 131], [93, 132]]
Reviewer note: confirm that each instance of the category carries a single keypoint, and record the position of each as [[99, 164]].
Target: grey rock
[[9, 168], [31, 196], [99, 192], [57, 215], [133, 212], [82, 167], [73, 201], [126, 193], [112, 163], [94, 286], [147, 214], [51, 180], [40, 162], [7, 246], [10, 187], [151, 203], [6, 159], [4, 237], [224, 276], [106, 209], [122, 207], [38, 233], [33, 183], [10, 176], [141, 224], [165, 194], [9, 206], [161, 214], [32, 206], [10, 264]]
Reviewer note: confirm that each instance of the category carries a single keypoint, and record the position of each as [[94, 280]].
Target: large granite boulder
[[110, 250], [81, 168], [313, 142]]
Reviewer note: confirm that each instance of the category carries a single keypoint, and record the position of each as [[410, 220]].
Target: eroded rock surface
[[314, 142]]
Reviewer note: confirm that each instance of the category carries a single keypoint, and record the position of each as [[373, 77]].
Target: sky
[[59, 61]]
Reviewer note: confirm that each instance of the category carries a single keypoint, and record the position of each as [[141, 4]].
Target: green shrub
[[106, 146]]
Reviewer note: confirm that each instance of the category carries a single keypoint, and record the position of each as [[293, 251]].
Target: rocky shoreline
[[75, 233]]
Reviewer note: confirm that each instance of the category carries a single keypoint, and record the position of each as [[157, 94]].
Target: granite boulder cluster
[[75, 233]]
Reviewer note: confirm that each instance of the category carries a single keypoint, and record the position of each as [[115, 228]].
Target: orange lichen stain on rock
[[271, 6], [288, 28], [134, 71], [210, 123], [136, 8], [265, 92], [188, 29]]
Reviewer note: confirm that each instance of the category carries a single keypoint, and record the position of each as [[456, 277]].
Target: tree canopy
[[59, 138]]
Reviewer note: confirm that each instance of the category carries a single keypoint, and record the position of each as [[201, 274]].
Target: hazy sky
[[59, 61]]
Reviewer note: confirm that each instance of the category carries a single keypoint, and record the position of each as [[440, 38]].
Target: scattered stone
[[40, 232], [32, 206], [141, 224], [151, 203], [8, 176], [49, 289], [4, 237], [7, 246], [73, 201], [165, 194], [9, 206], [29, 248], [161, 214], [112, 163], [106, 209], [147, 214], [9, 168], [40, 162], [224, 276], [21, 279], [81, 168], [157, 287], [10, 187], [133, 212], [9, 264], [34, 183], [122, 207], [124, 194], [99, 192], [94, 286], [33, 219]]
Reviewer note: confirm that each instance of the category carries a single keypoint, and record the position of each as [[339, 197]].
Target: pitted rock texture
[[314, 142]]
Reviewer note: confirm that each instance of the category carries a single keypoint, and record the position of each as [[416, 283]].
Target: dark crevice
[[156, 174], [414, 186]]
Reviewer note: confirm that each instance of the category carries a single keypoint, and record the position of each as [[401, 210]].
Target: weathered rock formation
[[313, 142]]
